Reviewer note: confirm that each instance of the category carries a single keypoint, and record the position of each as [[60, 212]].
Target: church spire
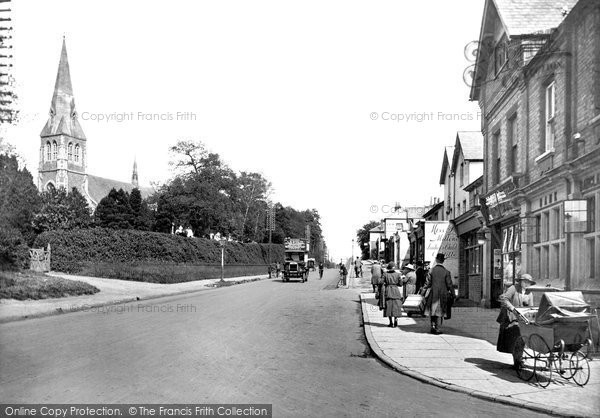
[[63, 116], [134, 175]]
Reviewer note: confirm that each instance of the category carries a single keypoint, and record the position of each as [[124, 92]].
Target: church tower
[[63, 155], [134, 175]]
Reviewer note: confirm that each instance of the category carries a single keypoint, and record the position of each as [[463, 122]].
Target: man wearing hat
[[439, 283], [516, 296]]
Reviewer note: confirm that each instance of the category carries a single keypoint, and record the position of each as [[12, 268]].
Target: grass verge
[[30, 285], [168, 273]]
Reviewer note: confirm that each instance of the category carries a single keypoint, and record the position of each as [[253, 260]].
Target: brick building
[[537, 81]]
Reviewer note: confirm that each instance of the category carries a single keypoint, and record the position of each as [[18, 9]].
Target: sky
[[345, 106]]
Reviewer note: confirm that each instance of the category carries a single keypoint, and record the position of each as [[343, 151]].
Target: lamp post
[[222, 243]]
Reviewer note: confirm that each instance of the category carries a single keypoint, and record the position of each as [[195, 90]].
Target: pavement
[[112, 292], [464, 359]]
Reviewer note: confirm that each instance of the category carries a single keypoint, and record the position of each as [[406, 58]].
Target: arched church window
[[70, 153], [77, 153], [54, 151], [48, 151], [50, 187]]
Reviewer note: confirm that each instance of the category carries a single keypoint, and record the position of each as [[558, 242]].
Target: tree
[[19, 198], [142, 217], [114, 211], [362, 238], [62, 211]]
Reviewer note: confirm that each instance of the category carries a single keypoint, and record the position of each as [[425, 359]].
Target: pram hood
[[562, 307]]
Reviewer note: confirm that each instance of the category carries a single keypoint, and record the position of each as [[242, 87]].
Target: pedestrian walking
[[270, 269], [357, 267], [376, 272], [343, 273], [278, 268], [438, 284], [516, 296], [321, 267], [421, 274], [411, 280], [393, 298]]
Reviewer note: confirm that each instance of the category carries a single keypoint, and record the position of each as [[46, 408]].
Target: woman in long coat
[[439, 283], [514, 297], [392, 280]]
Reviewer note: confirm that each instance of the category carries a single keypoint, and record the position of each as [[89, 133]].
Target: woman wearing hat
[[393, 298], [411, 279], [516, 296]]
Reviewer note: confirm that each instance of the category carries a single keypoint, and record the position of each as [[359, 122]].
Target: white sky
[[279, 87]]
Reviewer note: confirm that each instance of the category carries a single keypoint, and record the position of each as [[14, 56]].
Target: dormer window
[[500, 55]]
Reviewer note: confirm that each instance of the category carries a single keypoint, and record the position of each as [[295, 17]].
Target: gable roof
[[446, 163], [99, 187], [470, 144], [532, 16], [536, 18]]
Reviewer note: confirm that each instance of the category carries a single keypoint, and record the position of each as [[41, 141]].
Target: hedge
[[73, 250]]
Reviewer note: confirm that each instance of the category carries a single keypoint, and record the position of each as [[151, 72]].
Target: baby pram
[[555, 339]]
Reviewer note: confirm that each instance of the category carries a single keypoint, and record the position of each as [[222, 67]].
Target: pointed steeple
[[134, 175], [63, 116]]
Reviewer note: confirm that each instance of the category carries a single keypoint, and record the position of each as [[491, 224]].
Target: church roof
[[531, 16], [63, 116], [99, 187]]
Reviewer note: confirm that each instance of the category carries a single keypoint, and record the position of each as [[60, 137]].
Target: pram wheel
[[579, 368], [525, 359], [542, 364]]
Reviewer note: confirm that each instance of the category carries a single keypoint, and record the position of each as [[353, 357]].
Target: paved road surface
[[299, 346]]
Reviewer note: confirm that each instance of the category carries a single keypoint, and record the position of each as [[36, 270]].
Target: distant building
[[63, 147]]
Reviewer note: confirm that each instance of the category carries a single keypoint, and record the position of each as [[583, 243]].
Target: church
[[63, 147]]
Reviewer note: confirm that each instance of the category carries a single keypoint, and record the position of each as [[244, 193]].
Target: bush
[[14, 253], [72, 251]]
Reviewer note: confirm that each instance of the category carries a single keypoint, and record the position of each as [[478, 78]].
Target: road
[[299, 346]]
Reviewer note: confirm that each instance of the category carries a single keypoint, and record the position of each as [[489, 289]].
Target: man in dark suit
[[439, 283]]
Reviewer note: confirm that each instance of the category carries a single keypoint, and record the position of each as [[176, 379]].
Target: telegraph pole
[[270, 226]]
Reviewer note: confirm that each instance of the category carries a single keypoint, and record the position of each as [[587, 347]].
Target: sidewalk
[[464, 359], [112, 291]]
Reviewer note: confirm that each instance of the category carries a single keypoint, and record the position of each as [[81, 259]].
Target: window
[[500, 55], [465, 205], [462, 173], [550, 113], [54, 151], [513, 141], [592, 257], [591, 214], [48, 151], [496, 158], [545, 226], [556, 227], [70, 155], [538, 231], [77, 153], [458, 210]]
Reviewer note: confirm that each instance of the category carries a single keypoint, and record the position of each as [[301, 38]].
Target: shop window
[[556, 227], [576, 216], [555, 258], [591, 245], [591, 214]]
